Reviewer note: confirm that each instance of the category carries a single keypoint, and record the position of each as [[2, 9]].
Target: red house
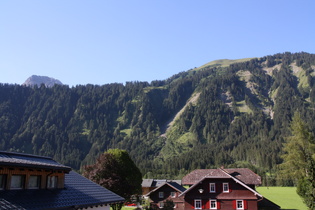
[[209, 189], [224, 189]]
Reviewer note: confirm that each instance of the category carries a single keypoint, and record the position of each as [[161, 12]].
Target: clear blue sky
[[106, 41]]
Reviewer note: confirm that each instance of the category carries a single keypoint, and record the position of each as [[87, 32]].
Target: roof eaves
[[29, 165]]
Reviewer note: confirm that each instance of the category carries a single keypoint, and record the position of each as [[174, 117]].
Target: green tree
[[116, 171], [299, 160]]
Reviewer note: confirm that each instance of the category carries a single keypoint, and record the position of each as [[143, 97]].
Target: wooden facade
[[43, 175]]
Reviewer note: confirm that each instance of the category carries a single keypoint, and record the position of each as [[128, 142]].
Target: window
[[173, 194], [212, 187], [34, 182], [213, 204], [161, 194], [226, 187], [17, 182], [52, 182], [197, 204], [2, 181], [239, 204], [161, 204]]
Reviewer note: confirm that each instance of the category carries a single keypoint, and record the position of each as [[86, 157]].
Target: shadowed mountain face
[[38, 80]]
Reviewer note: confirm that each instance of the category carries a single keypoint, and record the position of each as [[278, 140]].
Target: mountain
[[234, 113], [38, 80]]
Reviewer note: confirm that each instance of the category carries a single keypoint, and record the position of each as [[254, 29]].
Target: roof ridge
[[26, 155]]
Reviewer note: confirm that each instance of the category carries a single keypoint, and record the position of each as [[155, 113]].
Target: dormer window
[[212, 187], [161, 194], [226, 187], [52, 182], [17, 182], [34, 182]]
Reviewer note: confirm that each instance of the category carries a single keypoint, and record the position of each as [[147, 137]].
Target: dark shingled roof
[[79, 192], [173, 185], [157, 182], [243, 174], [27, 160]]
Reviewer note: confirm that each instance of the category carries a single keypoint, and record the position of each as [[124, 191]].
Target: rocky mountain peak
[[38, 80]]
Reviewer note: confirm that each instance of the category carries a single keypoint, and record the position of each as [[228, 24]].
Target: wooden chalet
[[37, 182], [167, 191], [150, 184], [224, 189]]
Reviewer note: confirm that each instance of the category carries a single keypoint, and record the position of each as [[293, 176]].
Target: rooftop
[[245, 175], [79, 192], [27, 160]]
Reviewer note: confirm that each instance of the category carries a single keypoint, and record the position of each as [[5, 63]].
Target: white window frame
[[210, 189], [161, 204], [198, 201], [173, 194], [161, 194], [216, 204], [242, 203], [228, 187]]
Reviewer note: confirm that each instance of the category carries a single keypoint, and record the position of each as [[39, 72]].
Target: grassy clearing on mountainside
[[243, 108], [222, 63], [286, 197]]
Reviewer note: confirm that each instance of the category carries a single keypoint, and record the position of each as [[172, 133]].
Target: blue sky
[[107, 41]]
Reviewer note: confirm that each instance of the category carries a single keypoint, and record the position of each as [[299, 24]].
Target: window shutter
[[245, 204], [218, 205], [234, 204], [230, 189]]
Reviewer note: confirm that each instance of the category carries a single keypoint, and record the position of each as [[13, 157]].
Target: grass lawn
[[286, 197]]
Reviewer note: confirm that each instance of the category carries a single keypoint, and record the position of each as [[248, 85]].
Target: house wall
[[27, 172]]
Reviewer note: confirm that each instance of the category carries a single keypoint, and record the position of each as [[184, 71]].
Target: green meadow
[[286, 197]]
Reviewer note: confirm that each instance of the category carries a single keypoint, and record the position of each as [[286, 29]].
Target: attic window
[[212, 187], [161, 194], [34, 182], [225, 187], [17, 182], [52, 182]]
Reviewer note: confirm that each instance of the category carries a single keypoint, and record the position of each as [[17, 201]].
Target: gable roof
[[173, 185], [220, 173], [243, 174], [79, 192], [33, 161], [157, 182]]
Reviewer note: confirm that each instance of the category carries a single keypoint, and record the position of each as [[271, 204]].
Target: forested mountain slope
[[232, 115]]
